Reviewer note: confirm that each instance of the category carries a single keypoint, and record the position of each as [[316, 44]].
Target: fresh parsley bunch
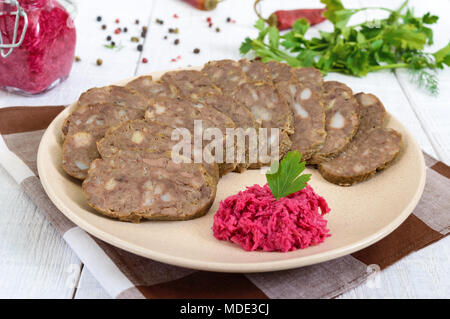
[[395, 42]]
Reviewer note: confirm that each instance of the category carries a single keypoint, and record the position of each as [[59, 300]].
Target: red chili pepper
[[284, 19], [203, 4]]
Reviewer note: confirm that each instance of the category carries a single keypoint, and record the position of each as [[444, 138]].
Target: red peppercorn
[[208, 19], [175, 16], [117, 31], [179, 57], [173, 60], [144, 60], [233, 21], [117, 21]]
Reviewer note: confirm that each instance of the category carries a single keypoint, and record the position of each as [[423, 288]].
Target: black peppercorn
[[104, 27], [99, 18], [196, 50], [140, 47], [176, 41], [108, 38]]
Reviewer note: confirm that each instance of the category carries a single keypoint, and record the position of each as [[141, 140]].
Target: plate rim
[[220, 266]]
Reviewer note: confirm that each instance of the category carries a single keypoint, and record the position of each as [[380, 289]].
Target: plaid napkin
[[125, 275]]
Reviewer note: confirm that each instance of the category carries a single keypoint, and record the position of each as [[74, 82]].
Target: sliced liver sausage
[[371, 150], [363, 158], [270, 110], [279, 72], [225, 74], [342, 120], [255, 71], [87, 125], [143, 136], [151, 89], [305, 101], [132, 186], [179, 113], [196, 86], [113, 94]]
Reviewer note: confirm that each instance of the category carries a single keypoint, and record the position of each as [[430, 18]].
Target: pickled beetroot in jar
[[45, 56]]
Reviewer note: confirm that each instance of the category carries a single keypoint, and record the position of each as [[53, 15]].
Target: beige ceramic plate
[[360, 215]]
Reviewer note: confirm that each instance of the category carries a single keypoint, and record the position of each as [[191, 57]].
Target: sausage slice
[[179, 113], [342, 120], [143, 136], [270, 110], [371, 150], [255, 71], [225, 74], [87, 125], [131, 186], [151, 89], [305, 102]]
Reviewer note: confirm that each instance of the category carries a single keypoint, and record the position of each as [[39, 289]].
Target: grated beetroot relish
[[47, 52], [254, 220]]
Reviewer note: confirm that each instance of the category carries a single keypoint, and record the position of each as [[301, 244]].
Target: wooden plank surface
[[35, 260]]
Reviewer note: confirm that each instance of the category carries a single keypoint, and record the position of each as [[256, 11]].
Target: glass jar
[[37, 45]]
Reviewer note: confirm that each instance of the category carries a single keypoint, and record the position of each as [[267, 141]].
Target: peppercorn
[[117, 21], [228, 19], [208, 19], [170, 30], [137, 21], [144, 60], [77, 58], [117, 31], [176, 41], [134, 39], [99, 62], [159, 21], [175, 30], [210, 25], [113, 44], [108, 38], [99, 18], [125, 29], [140, 47], [196, 50], [217, 29], [104, 27]]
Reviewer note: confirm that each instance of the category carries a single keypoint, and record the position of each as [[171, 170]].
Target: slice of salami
[[143, 136], [270, 110], [132, 186], [255, 71], [151, 89], [363, 158], [87, 125], [279, 72], [305, 102], [225, 74], [182, 114], [113, 94], [342, 120]]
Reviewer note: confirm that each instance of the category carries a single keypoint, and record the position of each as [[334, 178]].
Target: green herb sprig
[[284, 177], [395, 42]]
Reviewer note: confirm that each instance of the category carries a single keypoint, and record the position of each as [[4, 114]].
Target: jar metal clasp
[[7, 48]]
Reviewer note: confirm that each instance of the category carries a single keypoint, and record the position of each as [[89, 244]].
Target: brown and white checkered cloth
[[125, 275]]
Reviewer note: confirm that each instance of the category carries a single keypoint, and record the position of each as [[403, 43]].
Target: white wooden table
[[35, 262]]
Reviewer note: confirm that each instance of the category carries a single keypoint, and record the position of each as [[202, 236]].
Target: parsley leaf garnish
[[284, 177]]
